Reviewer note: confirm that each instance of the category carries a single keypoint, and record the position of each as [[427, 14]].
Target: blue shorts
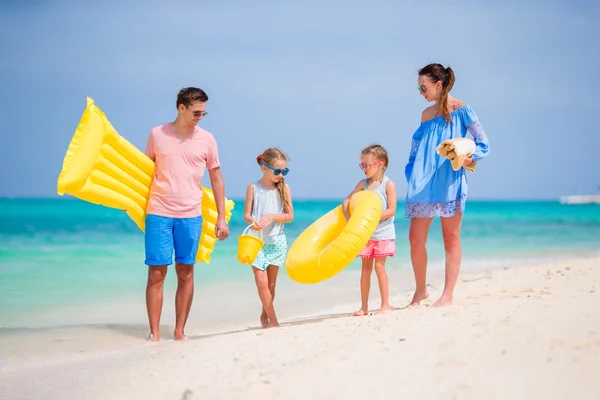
[[163, 234]]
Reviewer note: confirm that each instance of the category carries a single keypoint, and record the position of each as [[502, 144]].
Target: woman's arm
[[481, 141]]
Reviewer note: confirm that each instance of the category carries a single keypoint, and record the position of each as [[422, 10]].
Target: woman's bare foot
[[264, 319], [361, 313], [272, 324], [179, 336], [418, 297], [443, 301], [384, 309]]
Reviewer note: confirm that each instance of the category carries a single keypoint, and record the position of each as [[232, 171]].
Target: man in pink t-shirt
[[182, 152]]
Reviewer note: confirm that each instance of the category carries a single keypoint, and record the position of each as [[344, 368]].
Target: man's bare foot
[[361, 313], [179, 336], [384, 309], [272, 324], [418, 297], [153, 338], [443, 301], [264, 320]]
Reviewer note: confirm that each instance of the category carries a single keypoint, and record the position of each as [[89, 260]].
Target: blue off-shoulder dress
[[434, 188]]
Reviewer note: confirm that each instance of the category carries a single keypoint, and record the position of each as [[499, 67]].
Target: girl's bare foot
[[443, 301], [264, 319], [361, 313], [179, 336], [418, 298], [273, 324], [384, 309], [153, 338]]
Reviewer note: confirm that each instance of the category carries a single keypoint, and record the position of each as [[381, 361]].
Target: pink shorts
[[378, 248]]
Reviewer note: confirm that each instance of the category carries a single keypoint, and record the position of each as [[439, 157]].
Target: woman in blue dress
[[434, 188]]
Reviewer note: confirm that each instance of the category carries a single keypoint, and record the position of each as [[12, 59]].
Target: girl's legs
[[262, 284], [272, 271], [451, 234], [419, 228], [365, 286], [264, 318], [382, 277]]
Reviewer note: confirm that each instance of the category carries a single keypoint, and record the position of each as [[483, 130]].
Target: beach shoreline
[[514, 332]]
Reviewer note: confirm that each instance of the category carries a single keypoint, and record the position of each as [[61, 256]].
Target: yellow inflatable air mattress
[[330, 244], [103, 168]]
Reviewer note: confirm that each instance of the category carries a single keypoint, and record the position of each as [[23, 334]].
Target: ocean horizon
[[62, 257]]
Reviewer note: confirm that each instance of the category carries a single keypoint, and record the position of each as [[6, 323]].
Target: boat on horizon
[[581, 198]]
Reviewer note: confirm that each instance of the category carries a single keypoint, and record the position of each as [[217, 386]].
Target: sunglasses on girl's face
[[365, 166], [277, 171]]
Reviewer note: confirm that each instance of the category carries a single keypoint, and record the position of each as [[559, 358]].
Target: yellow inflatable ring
[[328, 245], [103, 168]]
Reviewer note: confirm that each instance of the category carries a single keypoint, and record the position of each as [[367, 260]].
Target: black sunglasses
[[198, 113]]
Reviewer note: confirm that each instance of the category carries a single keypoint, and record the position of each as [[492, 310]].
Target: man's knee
[[156, 275], [185, 272]]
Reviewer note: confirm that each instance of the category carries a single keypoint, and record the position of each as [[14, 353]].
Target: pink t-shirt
[[176, 190]]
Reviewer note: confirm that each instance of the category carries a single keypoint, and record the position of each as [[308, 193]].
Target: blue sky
[[320, 79]]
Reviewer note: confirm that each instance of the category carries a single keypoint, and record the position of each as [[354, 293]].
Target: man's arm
[[218, 188], [150, 147]]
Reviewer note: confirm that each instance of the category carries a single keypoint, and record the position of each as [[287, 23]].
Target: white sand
[[518, 333]]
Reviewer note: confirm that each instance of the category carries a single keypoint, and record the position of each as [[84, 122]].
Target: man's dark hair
[[188, 95]]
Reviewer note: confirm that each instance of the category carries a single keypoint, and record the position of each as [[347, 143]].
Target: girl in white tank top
[[267, 208], [374, 161]]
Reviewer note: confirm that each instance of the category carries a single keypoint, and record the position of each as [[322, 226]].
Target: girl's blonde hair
[[379, 152], [268, 157]]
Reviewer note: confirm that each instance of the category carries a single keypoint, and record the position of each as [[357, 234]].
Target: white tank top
[[385, 229], [267, 201]]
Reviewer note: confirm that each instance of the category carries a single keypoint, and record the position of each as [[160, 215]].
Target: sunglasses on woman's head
[[277, 171], [365, 166]]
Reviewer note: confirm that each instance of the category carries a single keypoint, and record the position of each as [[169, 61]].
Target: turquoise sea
[[64, 261]]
